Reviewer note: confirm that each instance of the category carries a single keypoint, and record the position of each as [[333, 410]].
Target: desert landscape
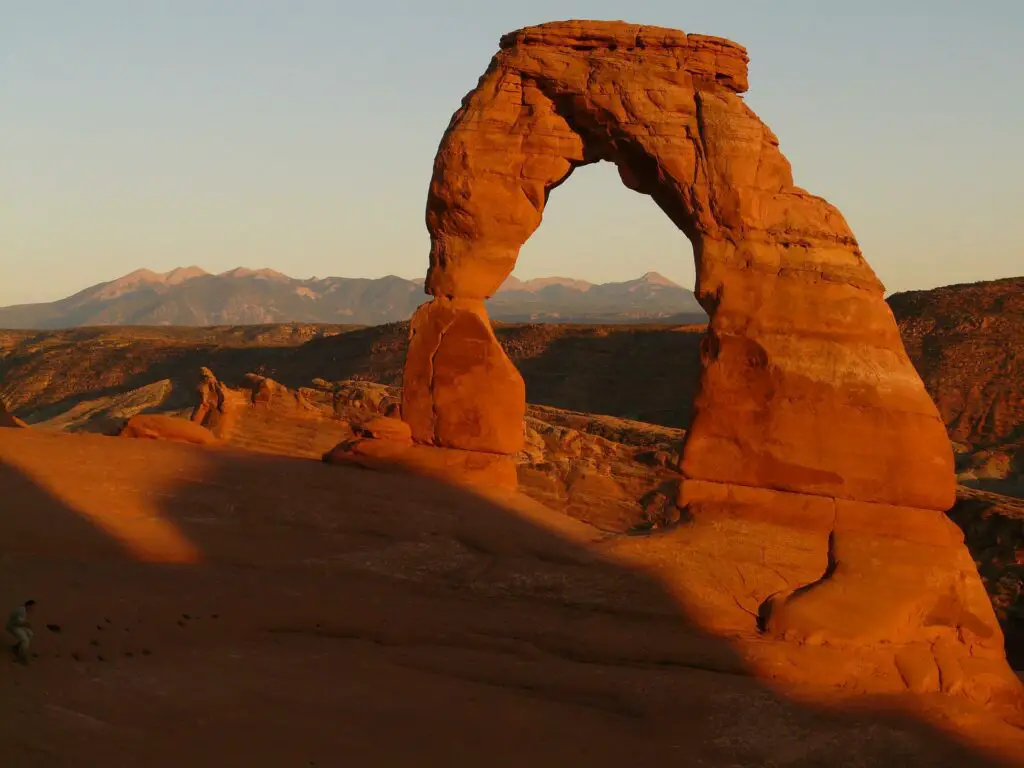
[[777, 521]]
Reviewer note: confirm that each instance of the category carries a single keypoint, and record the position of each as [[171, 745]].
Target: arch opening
[[596, 230], [636, 315]]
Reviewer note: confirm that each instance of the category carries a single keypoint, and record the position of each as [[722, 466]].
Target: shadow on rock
[[329, 614]]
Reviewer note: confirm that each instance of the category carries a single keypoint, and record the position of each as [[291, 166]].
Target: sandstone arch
[[811, 425], [806, 386]]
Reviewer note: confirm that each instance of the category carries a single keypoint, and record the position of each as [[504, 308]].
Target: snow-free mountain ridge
[[191, 296]]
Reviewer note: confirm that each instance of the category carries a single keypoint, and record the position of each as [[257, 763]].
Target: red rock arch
[[805, 384], [816, 465]]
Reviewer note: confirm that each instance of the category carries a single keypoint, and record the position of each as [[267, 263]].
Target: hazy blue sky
[[299, 134]]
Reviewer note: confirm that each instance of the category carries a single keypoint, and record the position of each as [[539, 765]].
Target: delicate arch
[[805, 385]]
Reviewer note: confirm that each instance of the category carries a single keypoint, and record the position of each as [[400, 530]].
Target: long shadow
[[335, 616]]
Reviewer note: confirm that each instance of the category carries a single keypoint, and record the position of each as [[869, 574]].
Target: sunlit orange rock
[[385, 428], [805, 385], [895, 586], [461, 390], [463, 468], [158, 427], [816, 468]]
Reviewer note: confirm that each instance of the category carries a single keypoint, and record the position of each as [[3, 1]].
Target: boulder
[[385, 428], [461, 390], [154, 426]]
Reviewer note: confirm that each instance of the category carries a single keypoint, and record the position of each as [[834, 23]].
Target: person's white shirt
[[18, 617]]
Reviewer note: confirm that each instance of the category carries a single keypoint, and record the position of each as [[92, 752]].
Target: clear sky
[[299, 134]]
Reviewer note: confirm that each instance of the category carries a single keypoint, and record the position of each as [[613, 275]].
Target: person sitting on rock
[[19, 626]]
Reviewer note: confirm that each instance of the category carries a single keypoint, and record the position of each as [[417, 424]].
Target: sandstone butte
[[817, 468]]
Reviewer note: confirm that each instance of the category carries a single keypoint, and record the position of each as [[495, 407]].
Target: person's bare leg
[[24, 642]]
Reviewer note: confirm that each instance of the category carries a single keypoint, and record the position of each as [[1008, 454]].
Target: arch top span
[[805, 385], [722, 60], [664, 106]]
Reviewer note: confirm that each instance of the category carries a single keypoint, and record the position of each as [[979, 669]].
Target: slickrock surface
[[264, 415], [224, 608], [614, 474], [151, 426]]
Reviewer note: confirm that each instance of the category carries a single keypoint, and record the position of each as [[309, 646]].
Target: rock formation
[[816, 468], [800, 338], [968, 344], [264, 415], [8, 419], [390, 450], [155, 426], [967, 341], [994, 528]]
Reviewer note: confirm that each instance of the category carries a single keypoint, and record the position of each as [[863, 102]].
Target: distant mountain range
[[190, 296]]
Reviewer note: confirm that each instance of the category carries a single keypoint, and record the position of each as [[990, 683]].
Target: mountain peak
[[188, 295], [179, 275], [139, 276], [262, 274], [539, 283], [174, 277], [655, 278], [140, 279]]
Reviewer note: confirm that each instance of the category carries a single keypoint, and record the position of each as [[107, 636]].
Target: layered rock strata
[[816, 467]]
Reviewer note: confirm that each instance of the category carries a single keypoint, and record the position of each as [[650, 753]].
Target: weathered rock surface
[[497, 633], [617, 475], [967, 342], [741, 557], [154, 426], [999, 468], [993, 527], [462, 468], [460, 389], [800, 338], [385, 428], [814, 444], [266, 416], [614, 474]]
